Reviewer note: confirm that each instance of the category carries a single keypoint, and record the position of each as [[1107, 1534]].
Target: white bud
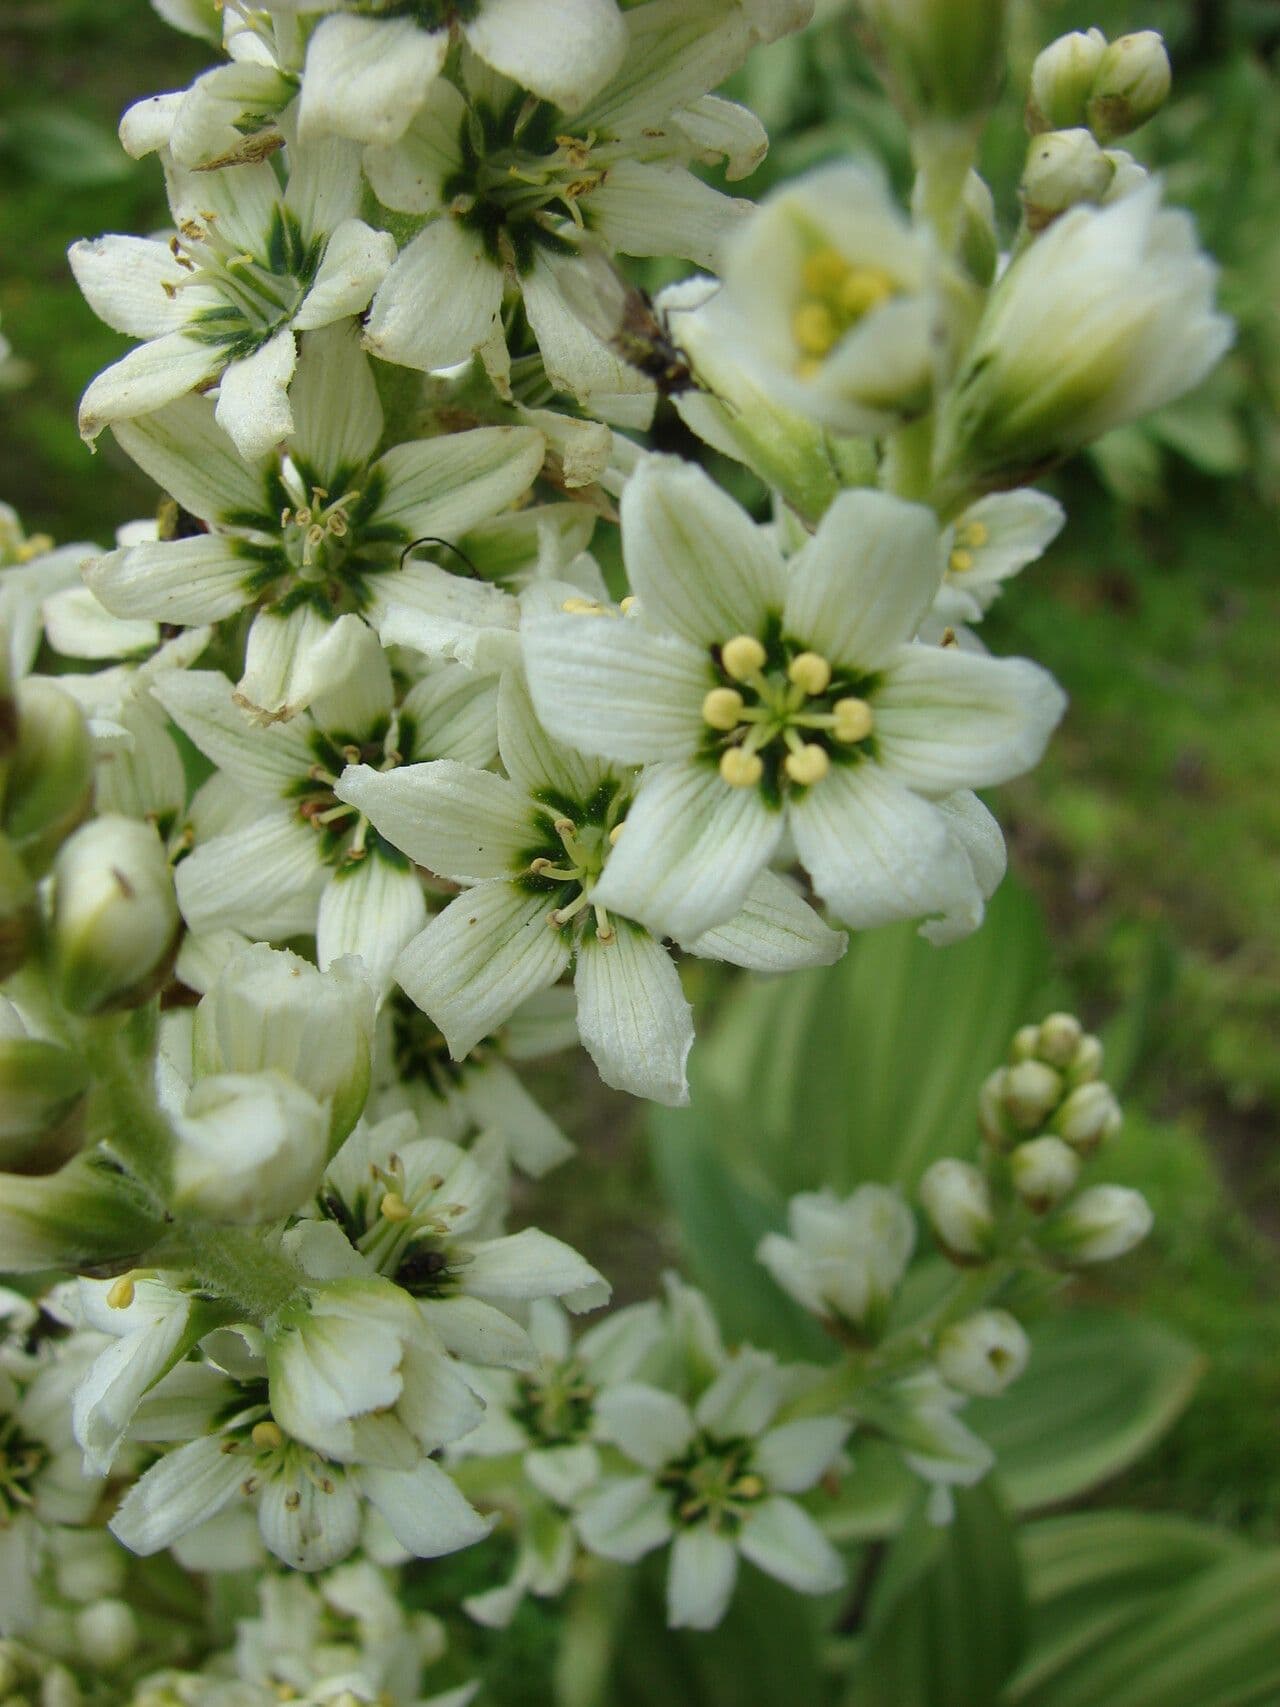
[[958, 1203], [1062, 80], [115, 916], [106, 1634], [843, 1259], [1030, 1093], [1102, 1223], [1086, 1063], [1044, 1171], [50, 769], [1089, 1116], [983, 1354], [1058, 1038], [251, 1147], [1131, 85], [1064, 167], [41, 1089]]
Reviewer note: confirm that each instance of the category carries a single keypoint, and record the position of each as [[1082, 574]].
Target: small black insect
[[622, 316]]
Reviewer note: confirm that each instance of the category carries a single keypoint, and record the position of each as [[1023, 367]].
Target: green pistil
[[713, 1483], [555, 1408]]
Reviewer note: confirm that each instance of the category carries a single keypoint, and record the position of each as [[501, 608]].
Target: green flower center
[[347, 838], [713, 1483], [259, 293], [21, 1461], [571, 848], [555, 1406]]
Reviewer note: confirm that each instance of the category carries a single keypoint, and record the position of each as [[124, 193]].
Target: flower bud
[[958, 1203], [106, 1634], [42, 1088], [86, 1214], [843, 1260], [1044, 1171], [115, 916], [983, 1354], [944, 58], [1130, 86], [50, 769], [1062, 80], [19, 917], [1086, 1063], [1057, 1039], [1102, 1223], [979, 239], [1031, 1092], [1064, 167], [251, 1147], [1088, 1117]]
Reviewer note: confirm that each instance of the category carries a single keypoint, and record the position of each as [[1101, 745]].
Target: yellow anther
[[615, 833], [810, 671], [582, 607], [814, 328], [742, 656], [628, 604], [121, 1293], [722, 708], [394, 1208], [741, 769], [266, 1435], [807, 766], [854, 719], [749, 1487], [824, 271], [862, 289], [960, 560], [973, 533]]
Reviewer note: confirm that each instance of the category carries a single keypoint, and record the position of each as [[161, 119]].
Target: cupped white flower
[[843, 1259], [250, 1147], [1101, 1224], [957, 1200], [983, 1353]]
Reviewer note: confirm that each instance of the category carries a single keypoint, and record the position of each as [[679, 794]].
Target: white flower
[[715, 1483], [249, 268], [115, 919], [766, 696], [982, 549], [983, 1353], [843, 1259], [534, 849], [958, 1202], [827, 286], [250, 1147], [308, 537], [1104, 1222], [1106, 317], [918, 1413]]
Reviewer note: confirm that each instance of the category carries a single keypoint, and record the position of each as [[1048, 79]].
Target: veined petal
[[532, 1264], [450, 713], [409, 176], [424, 1509], [875, 851], [982, 840], [264, 878], [289, 659], [356, 259], [439, 301], [663, 210], [263, 761], [695, 559], [743, 1397], [690, 851], [862, 584], [700, 1578], [575, 359], [356, 707], [616, 689], [497, 1100], [461, 823], [651, 1426], [781, 1539], [365, 77], [776, 931], [480, 1333], [632, 1013], [146, 379], [443, 615], [564, 50], [325, 185], [793, 1456], [947, 719], [184, 1489], [336, 414], [486, 953], [371, 909], [676, 51], [445, 485], [723, 130], [172, 580], [309, 1521], [626, 1520], [563, 1473], [188, 455], [123, 280], [253, 396], [532, 757]]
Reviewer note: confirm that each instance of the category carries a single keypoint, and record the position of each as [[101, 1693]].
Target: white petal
[[265, 879], [186, 453], [461, 823], [496, 1099], [947, 719], [479, 1333], [486, 953], [613, 688], [722, 130], [441, 614], [289, 659], [146, 379], [264, 761], [325, 186], [626, 1520], [78, 625], [310, 1521], [110, 1392], [632, 1013], [253, 396], [532, 1264], [365, 77], [439, 301], [336, 413], [695, 559], [690, 851], [532, 758], [784, 1541], [982, 839], [865, 580], [355, 707], [446, 485], [185, 1488], [575, 359], [650, 1425], [743, 1397], [148, 124], [123, 280], [563, 1473], [793, 1456], [424, 1509], [410, 175], [776, 931], [450, 713], [663, 210], [371, 909], [876, 852], [700, 1579], [564, 50], [179, 581], [356, 259]]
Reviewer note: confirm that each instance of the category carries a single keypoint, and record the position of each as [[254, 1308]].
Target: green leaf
[[946, 1624], [63, 147]]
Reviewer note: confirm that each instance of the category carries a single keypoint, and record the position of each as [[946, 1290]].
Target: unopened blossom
[[314, 532], [984, 547], [715, 1480], [983, 1353], [533, 849], [222, 301], [843, 1259], [767, 697]]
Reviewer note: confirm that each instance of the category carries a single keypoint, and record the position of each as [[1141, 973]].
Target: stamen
[[814, 328], [960, 560], [973, 534], [722, 708], [605, 932], [394, 1208], [808, 765], [854, 719], [121, 1294], [742, 656], [740, 768], [266, 1435], [561, 915], [810, 671]]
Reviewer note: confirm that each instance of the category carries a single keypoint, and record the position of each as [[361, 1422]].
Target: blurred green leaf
[[63, 147]]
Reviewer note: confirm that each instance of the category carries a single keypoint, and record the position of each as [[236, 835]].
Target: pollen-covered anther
[[722, 708], [578, 606], [960, 560], [742, 656], [807, 765], [854, 719], [266, 1435], [741, 769], [121, 1293], [394, 1208], [810, 671], [615, 833]]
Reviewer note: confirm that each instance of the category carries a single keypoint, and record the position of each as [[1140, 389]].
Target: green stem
[[244, 1266], [141, 1134]]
